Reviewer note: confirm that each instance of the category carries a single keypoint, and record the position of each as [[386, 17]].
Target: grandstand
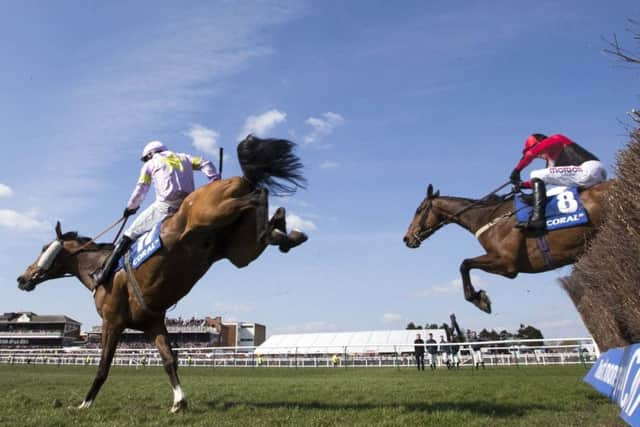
[[193, 332], [364, 342], [27, 329]]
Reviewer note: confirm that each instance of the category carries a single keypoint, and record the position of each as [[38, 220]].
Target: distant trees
[[524, 332]]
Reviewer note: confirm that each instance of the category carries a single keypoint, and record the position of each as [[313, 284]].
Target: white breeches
[[587, 174], [477, 356], [152, 215]]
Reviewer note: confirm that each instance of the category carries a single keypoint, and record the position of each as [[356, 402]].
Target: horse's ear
[[430, 191], [437, 194], [58, 230]]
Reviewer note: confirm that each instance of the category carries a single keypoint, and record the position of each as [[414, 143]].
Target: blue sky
[[382, 99]]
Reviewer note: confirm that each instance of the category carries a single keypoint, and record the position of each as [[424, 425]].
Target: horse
[[509, 250], [225, 219]]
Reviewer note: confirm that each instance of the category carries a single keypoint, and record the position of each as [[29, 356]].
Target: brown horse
[[226, 219], [509, 250]]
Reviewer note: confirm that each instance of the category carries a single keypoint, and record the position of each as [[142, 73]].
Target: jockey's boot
[[103, 275], [536, 221]]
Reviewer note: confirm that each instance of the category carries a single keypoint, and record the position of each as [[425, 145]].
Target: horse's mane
[[73, 235]]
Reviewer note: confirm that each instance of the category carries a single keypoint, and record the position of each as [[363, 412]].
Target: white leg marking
[[86, 404], [178, 394]]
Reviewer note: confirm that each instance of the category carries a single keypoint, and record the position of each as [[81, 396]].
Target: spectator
[[335, 360], [454, 360], [432, 349], [419, 352], [476, 350], [443, 348]]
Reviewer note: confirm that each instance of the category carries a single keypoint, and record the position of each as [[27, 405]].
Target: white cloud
[[454, 286], [5, 191], [322, 126], [329, 165], [203, 138], [294, 221], [262, 124], [391, 318], [16, 220]]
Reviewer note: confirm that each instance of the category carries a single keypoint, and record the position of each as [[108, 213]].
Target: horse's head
[[425, 221], [50, 264]]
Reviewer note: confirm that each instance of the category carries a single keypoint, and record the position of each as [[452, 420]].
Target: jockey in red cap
[[568, 164]]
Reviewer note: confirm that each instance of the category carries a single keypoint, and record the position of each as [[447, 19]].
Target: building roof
[[30, 317], [351, 342]]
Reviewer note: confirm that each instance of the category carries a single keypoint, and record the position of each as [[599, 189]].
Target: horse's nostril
[[20, 280]]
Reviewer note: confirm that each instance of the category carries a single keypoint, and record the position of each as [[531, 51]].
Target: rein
[[102, 233], [423, 234]]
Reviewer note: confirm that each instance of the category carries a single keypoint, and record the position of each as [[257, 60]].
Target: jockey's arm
[[141, 189], [205, 166], [546, 146]]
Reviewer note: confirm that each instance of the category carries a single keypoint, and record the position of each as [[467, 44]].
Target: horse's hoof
[[179, 407], [85, 405], [482, 301], [295, 238]]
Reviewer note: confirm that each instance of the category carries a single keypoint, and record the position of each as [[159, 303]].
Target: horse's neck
[[471, 217], [84, 263]]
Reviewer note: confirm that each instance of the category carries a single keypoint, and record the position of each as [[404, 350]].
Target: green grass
[[524, 396]]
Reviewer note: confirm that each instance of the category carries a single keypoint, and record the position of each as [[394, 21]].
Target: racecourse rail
[[556, 351]]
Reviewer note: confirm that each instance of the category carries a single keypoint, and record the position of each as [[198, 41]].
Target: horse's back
[[594, 200]]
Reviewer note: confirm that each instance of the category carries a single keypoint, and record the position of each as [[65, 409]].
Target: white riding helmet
[[152, 147]]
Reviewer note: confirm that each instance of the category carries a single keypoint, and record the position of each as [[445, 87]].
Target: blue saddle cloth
[[142, 249], [563, 210]]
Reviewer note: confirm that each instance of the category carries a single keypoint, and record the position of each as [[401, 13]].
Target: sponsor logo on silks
[[616, 374], [565, 170]]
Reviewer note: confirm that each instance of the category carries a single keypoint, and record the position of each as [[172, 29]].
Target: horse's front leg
[[110, 336], [161, 339], [478, 298]]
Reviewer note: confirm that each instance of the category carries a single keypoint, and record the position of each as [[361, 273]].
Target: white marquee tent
[[349, 342]]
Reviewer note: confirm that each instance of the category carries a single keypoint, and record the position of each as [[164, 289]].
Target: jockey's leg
[[143, 223], [537, 219], [102, 276]]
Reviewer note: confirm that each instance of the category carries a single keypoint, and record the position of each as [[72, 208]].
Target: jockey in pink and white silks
[[568, 164], [172, 177]]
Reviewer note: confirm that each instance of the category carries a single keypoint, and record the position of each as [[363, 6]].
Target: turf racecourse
[[504, 396]]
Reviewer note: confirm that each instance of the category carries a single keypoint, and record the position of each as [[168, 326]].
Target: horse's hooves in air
[[179, 407], [294, 238], [482, 301]]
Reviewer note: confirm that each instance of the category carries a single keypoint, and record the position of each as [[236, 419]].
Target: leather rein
[[427, 231]]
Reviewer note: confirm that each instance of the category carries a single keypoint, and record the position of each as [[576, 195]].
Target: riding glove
[[128, 212]]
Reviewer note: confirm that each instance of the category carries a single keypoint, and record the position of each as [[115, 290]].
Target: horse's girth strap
[[133, 284]]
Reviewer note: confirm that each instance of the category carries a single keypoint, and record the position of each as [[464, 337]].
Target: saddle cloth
[[564, 208], [142, 249]]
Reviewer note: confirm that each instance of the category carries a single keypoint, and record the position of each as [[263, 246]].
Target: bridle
[[425, 232], [41, 272]]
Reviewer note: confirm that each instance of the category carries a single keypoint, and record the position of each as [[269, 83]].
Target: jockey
[[172, 177], [568, 164]]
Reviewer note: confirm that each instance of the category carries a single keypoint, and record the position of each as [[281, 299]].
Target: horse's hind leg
[[110, 336], [277, 233], [161, 339]]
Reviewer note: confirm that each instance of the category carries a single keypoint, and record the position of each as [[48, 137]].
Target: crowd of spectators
[[185, 322]]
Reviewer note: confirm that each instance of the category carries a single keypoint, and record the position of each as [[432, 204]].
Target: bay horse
[[225, 219], [509, 250]]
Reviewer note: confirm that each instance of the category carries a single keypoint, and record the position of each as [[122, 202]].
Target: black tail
[[270, 163]]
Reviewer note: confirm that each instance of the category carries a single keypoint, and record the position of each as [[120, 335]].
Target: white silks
[[48, 256]]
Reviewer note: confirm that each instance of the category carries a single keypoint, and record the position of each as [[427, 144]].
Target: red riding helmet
[[532, 141]]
